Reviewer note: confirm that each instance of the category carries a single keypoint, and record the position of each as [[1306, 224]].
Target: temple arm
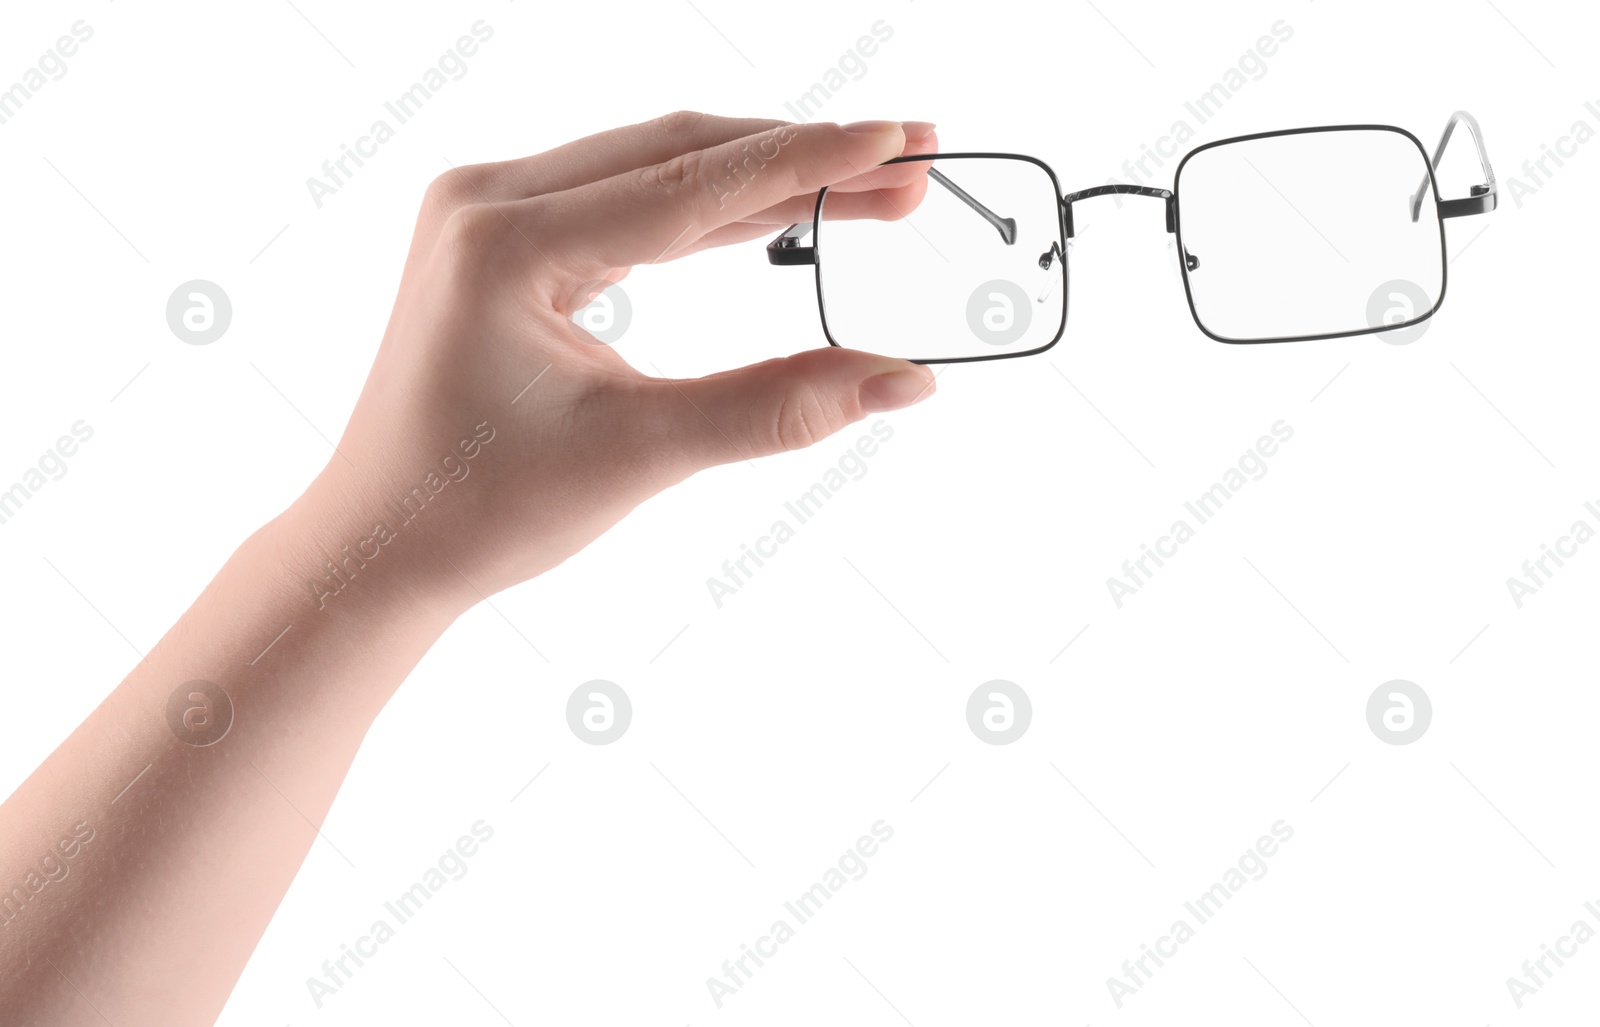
[[1483, 196], [1007, 227], [786, 248]]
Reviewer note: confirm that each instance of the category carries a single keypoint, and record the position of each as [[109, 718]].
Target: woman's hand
[[481, 356], [494, 439]]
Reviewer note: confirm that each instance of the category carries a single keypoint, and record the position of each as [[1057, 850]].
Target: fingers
[[623, 149], [637, 216], [886, 205], [886, 193], [609, 153], [727, 235], [880, 204], [920, 139], [782, 405]]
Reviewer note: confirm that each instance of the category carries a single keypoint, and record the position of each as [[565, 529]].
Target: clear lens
[[976, 269], [1310, 234]]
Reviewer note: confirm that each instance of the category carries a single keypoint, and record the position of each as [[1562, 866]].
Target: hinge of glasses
[[786, 248], [1481, 201]]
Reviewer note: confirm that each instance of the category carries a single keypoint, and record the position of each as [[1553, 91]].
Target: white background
[[827, 694]]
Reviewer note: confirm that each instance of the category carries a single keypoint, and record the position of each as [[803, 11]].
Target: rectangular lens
[[1309, 233], [970, 266]]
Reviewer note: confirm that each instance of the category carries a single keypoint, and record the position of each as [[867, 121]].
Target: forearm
[[495, 438], [167, 858]]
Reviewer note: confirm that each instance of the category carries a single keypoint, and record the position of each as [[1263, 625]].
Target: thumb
[[784, 404]]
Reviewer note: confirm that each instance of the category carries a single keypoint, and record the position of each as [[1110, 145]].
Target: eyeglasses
[[1305, 233]]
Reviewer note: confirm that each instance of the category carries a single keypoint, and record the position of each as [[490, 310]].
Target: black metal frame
[[786, 249], [1432, 183]]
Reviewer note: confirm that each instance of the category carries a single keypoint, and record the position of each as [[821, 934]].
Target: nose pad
[[1177, 258], [1049, 289], [1047, 261]]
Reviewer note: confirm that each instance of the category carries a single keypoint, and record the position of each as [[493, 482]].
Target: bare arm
[[494, 438], [175, 853]]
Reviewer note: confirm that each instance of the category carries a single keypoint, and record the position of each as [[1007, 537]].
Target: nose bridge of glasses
[[1115, 188]]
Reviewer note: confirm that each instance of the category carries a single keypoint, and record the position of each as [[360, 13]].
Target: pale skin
[[502, 256]]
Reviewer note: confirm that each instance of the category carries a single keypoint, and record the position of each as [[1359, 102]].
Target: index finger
[[637, 216], [612, 152]]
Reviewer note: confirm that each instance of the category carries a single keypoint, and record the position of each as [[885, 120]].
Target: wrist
[[346, 548]]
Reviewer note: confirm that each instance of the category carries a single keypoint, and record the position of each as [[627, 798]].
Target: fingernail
[[918, 130], [869, 127], [895, 390]]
